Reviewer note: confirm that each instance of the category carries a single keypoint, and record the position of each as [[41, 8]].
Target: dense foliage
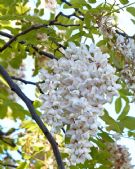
[[81, 61]]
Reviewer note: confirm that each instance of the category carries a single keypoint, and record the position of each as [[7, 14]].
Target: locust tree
[[82, 60]]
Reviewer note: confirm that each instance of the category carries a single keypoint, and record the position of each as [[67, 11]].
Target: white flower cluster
[[128, 75], [75, 89], [126, 46], [120, 157], [106, 25], [51, 4]]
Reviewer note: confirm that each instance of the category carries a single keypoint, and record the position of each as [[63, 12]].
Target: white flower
[[74, 94], [51, 4], [126, 46], [120, 157]]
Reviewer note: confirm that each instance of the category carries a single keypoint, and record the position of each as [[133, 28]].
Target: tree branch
[[66, 2], [68, 16], [23, 42], [124, 34], [116, 10], [11, 143], [5, 34], [29, 82], [76, 9], [64, 25], [8, 165], [14, 38], [51, 56], [23, 81], [34, 115]]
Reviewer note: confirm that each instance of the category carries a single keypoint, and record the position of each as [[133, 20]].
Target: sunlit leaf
[[124, 1], [131, 10], [128, 122], [118, 105]]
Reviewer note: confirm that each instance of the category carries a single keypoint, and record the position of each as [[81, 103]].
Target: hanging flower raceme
[[120, 157], [123, 43], [128, 75], [76, 88], [126, 46]]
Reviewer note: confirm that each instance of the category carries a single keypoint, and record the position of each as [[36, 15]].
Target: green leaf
[[29, 125], [92, 1], [105, 137], [133, 21], [34, 19], [99, 142], [128, 122], [103, 167], [131, 10], [77, 35], [113, 125], [102, 42], [87, 19], [17, 110], [118, 105], [41, 12], [124, 112], [37, 103], [124, 2], [78, 4], [131, 134], [23, 165]]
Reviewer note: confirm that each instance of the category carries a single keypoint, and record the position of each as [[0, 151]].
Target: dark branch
[[68, 16], [58, 44], [49, 55], [29, 82], [23, 81], [14, 38], [76, 9], [64, 25], [66, 2], [5, 34], [34, 47], [34, 115], [8, 165], [11, 143], [124, 34]]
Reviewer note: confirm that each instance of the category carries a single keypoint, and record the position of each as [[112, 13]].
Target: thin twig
[[116, 10], [68, 16], [33, 27], [6, 142], [29, 82], [76, 9], [124, 34], [14, 38], [41, 52], [23, 81], [34, 47], [8, 165], [66, 2], [14, 87], [65, 25], [5, 34]]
